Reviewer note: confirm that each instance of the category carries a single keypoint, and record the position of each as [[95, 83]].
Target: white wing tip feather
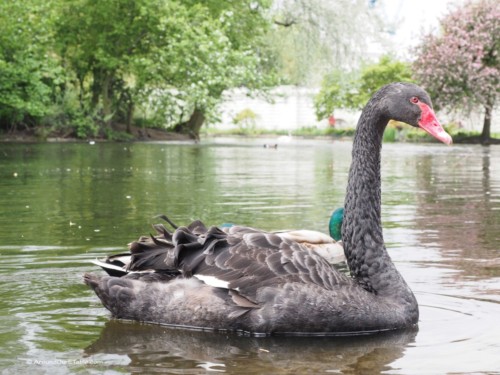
[[213, 281]]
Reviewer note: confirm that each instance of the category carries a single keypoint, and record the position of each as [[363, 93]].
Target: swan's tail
[[91, 280], [154, 253], [117, 294]]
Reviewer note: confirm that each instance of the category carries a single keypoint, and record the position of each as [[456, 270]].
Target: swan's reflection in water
[[179, 350]]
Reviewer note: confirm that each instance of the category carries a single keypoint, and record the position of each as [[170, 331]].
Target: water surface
[[65, 204]]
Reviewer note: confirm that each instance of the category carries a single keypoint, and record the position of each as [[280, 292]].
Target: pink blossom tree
[[460, 67]]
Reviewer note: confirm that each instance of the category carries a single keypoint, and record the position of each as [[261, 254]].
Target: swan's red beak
[[431, 125]]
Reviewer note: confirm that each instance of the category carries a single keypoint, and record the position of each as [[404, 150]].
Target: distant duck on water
[[247, 280]]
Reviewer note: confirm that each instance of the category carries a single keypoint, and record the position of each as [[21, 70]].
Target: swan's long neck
[[362, 235]]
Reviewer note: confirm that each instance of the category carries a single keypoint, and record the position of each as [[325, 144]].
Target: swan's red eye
[[414, 100]]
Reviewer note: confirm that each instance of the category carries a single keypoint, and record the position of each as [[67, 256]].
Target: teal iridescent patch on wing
[[335, 224]]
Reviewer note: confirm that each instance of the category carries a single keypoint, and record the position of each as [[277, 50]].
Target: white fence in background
[[292, 108], [474, 121]]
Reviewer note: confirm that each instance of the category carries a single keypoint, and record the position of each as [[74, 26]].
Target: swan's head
[[410, 104]]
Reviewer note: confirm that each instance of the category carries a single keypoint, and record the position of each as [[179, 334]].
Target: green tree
[[169, 56], [338, 90], [344, 90], [29, 76], [101, 43], [386, 71]]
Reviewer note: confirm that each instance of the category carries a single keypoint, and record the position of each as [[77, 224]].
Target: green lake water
[[63, 205]]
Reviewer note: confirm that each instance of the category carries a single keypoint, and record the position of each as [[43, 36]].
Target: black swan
[[247, 280]]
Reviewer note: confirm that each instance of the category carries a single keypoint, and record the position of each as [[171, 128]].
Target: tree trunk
[[486, 134], [130, 115], [106, 99], [193, 125], [102, 92], [81, 92], [96, 89]]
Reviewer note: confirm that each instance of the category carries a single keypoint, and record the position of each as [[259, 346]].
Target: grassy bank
[[394, 132]]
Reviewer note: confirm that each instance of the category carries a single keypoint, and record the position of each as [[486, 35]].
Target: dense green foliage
[[341, 90], [84, 65], [88, 68], [29, 75]]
